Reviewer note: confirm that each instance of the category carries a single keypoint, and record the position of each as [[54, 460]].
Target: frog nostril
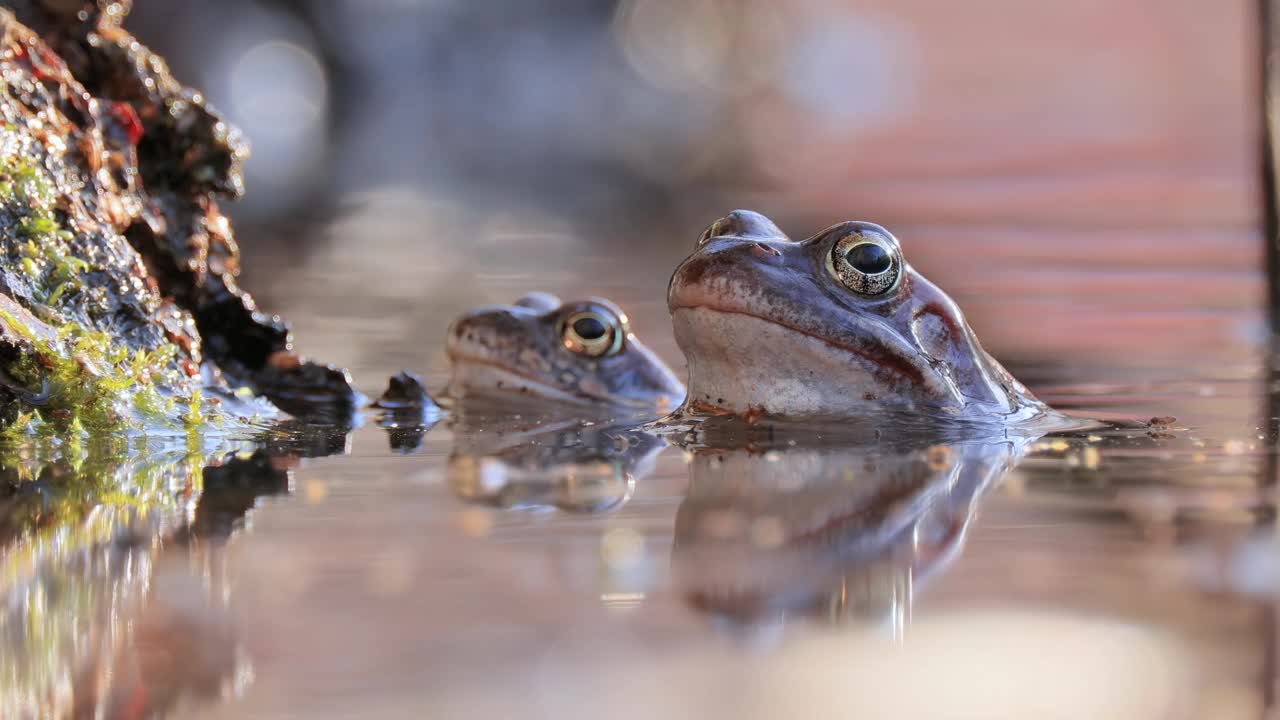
[[742, 224], [719, 228], [459, 332], [762, 250]]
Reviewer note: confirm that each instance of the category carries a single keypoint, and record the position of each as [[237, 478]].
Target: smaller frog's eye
[[590, 333], [865, 263]]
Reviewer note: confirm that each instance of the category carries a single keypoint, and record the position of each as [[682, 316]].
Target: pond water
[[528, 568]]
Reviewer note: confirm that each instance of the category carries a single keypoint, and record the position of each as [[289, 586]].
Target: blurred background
[[1082, 176], [1069, 171]]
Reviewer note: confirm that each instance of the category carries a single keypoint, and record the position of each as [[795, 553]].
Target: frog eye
[[590, 333], [865, 263]]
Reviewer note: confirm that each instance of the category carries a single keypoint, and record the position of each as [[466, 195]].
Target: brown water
[[1109, 573]]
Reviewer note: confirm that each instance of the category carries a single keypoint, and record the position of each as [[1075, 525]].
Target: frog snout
[[742, 224], [464, 330], [457, 332]]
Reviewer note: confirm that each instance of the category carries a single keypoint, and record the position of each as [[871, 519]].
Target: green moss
[[29, 185], [46, 256], [26, 425], [34, 227], [95, 384], [194, 416], [59, 291]]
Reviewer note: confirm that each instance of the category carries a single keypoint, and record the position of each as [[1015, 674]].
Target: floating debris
[[405, 391]]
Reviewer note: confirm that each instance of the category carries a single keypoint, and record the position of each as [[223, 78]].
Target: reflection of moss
[[70, 610], [54, 494], [57, 498], [63, 513], [70, 522]]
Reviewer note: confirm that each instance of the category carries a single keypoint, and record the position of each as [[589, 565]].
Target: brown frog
[[580, 352], [836, 325]]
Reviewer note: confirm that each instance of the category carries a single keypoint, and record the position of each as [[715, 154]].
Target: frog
[[836, 325], [545, 350]]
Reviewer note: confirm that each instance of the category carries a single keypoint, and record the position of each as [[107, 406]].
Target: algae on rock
[[119, 309], [86, 343]]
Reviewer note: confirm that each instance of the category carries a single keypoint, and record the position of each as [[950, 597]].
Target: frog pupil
[[589, 328], [868, 258]]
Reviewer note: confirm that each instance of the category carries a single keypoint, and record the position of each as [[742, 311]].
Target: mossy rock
[[119, 307]]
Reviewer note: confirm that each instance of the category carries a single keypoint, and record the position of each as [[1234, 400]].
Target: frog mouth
[[479, 376], [875, 356]]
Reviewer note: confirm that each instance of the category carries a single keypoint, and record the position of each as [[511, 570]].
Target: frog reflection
[[567, 466], [827, 532]]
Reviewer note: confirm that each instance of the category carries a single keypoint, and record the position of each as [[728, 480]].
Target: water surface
[[555, 569]]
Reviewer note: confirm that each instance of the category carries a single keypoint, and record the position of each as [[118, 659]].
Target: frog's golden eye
[[590, 333], [865, 263]]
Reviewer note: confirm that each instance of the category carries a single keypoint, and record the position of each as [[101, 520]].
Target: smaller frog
[[581, 352]]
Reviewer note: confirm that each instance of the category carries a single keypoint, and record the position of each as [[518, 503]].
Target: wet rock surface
[[119, 264]]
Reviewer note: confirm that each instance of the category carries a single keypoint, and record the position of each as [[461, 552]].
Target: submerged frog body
[[581, 352], [837, 325]]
